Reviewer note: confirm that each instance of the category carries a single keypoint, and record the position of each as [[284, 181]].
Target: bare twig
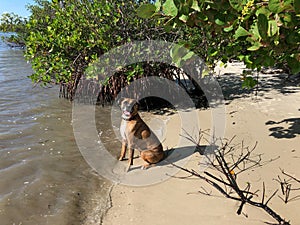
[[286, 187], [290, 176], [226, 165]]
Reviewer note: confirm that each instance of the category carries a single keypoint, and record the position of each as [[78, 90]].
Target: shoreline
[[96, 205], [271, 119]]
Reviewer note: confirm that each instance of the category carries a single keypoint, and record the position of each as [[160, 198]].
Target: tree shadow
[[287, 128], [231, 84]]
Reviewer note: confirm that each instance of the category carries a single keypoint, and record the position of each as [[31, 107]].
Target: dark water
[[43, 177]]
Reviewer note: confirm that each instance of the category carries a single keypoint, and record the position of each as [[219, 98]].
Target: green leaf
[[268, 61], [273, 28], [275, 6], [177, 52], [219, 22], [288, 4], [294, 65], [157, 5], [189, 55], [287, 19], [170, 9], [240, 32], [237, 4], [228, 29], [214, 53], [168, 27], [184, 18], [254, 33], [255, 47], [262, 24], [246, 59], [195, 6], [249, 83], [263, 10], [220, 19], [146, 11]]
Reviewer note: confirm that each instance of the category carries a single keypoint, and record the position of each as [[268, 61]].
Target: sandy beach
[[271, 118]]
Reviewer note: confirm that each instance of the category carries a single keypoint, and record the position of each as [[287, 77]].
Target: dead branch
[[227, 162], [290, 176], [287, 185]]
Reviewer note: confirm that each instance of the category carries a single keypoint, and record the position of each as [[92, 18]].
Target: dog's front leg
[[130, 158], [123, 151]]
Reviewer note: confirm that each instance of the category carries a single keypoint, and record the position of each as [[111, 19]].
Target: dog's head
[[129, 108]]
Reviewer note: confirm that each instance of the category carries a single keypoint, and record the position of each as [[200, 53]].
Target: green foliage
[[11, 22], [146, 11], [249, 82], [258, 32], [170, 8], [67, 36], [180, 55], [64, 39], [14, 40], [134, 71]]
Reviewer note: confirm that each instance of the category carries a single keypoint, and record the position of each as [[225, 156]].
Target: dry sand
[[272, 119]]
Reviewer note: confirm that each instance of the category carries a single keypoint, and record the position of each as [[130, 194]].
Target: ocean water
[[43, 177]]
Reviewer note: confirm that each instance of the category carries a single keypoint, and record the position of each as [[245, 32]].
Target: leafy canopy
[[257, 32], [65, 37]]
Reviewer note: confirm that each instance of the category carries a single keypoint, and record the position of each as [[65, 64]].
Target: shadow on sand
[[231, 84], [176, 155], [287, 128], [180, 155]]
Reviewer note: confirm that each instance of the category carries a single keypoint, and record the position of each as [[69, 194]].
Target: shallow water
[[43, 177]]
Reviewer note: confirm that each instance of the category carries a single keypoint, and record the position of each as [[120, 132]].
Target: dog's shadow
[[179, 155], [174, 155]]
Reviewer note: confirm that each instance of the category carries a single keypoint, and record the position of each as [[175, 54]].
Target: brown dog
[[137, 135]]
